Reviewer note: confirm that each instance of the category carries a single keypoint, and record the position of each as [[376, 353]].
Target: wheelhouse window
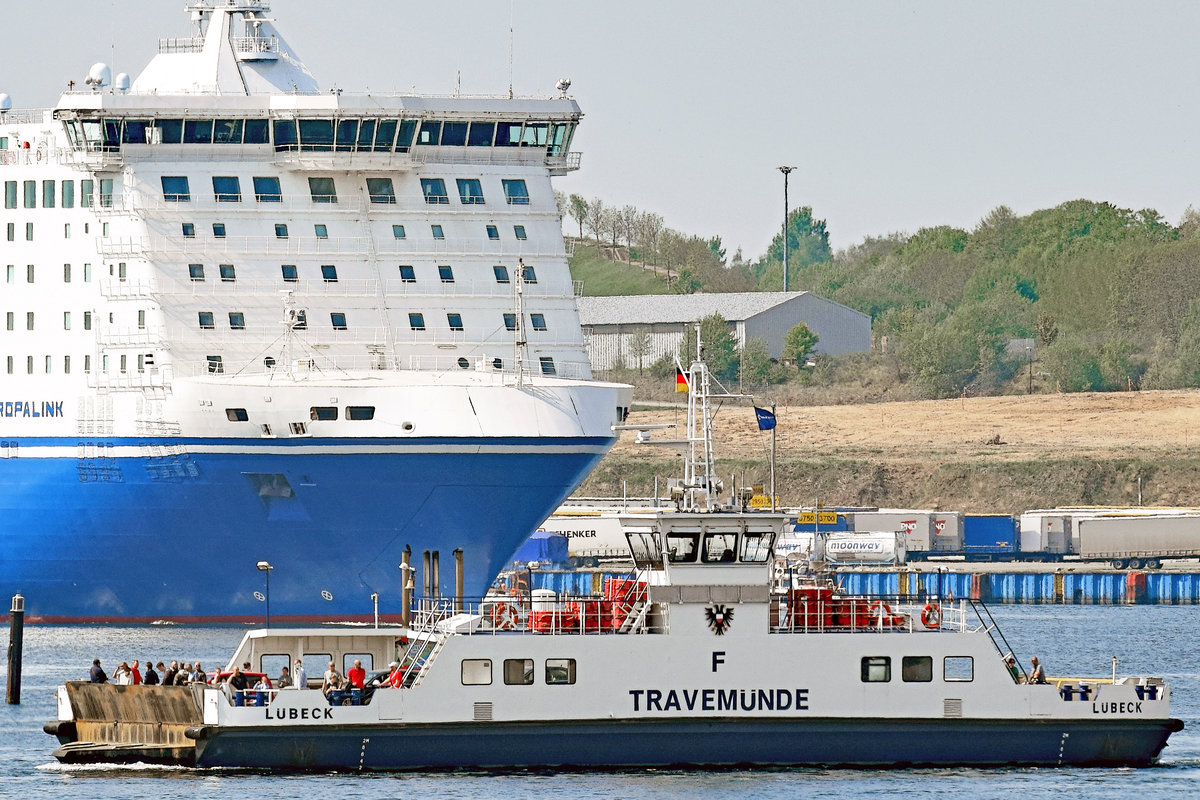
[[329, 273], [322, 190], [407, 274], [175, 189], [719, 547], [381, 191], [266, 190], [470, 191], [227, 189], [756, 547], [538, 321], [454, 134], [481, 134], [435, 191], [237, 321], [360, 412], [518, 671], [515, 192], [197, 131], [416, 321], [338, 320], [196, 272], [430, 133], [454, 321], [446, 273], [323, 413], [501, 273], [876, 669], [316, 135], [682, 547], [290, 274]]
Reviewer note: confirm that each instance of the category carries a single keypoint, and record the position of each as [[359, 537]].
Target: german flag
[[681, 381]]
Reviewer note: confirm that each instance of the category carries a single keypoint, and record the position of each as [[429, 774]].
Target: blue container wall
[[991, 531], [1078, 588]]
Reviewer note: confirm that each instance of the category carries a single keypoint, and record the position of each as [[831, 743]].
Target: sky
[[896, 115]]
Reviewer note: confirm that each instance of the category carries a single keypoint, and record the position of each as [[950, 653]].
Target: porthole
[[269, 362], [463, 363], [497, 363], [407, 426]]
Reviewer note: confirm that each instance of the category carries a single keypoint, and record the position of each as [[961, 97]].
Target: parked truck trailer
[[1129, 542]]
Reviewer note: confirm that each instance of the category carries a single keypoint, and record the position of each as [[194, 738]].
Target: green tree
[[798, 344], [577, 207], [720, 353], [756, 361], [808, 244]]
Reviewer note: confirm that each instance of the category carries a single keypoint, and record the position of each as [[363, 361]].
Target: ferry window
[[529, 275], [256, 132], [454, 134], [66, 365], [29, 231], [10, 194], [141, 319], [463, 363], [170, 130], [315, 664], [206, 320], [916, 669], [682, 547], [316, 134], [360, 412], [536, 134], [227, 188], [189, 230], [398, 231], [501, 273], [368, 662], [323, 413], [196, 272], [227, 273], [12, 273], [87, 320], [281, 231], [285, 134], [497, 363], [87, 364], [508, 134], [289, 273], [538, 321], [10, 317], [12, 231], [219, 230], [236, 415], [266, 190], [175, 189], [560, 671], [321, 231], [237, 321], [719, 547], [518, 671], [48, 194], [470, 191], [68, 194], [756, 547], [876, 669], [339, 320], [106, 193], [430, 133], [454, 321], [10, 365], [381, 191], [407, 274], [29, 270], [435, 191], [31, 194], [67, 320], [29, 364], [477, 672], [385, 135], [510, 322], [86, 188], [329, 273], [48, 367], [404, 139], [197, 131], [515, 192], [493, 233], [437, 231], [446, 273], [366, 134], [959, 668], [227, 131], [346, 135], [416, 321], [273, 664], [136, 132], [322, 190], [481, 134], [67, 230]]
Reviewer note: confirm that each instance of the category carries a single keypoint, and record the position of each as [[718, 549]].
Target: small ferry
[[711, 653]]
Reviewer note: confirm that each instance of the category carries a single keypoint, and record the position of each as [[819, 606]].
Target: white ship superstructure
[[229, 293]]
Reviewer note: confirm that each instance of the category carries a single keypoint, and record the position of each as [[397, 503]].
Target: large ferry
[[254, 323]]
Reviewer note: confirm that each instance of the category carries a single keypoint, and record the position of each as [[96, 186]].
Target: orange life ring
[[503, 616], [931, 615], [880, 611]]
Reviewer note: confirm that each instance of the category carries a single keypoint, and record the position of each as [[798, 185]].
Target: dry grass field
[[1001, 454]]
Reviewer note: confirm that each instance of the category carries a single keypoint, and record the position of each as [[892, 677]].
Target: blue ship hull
[[177, 537]]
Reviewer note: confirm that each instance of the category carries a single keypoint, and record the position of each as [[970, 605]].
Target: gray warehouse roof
[[657, 308]]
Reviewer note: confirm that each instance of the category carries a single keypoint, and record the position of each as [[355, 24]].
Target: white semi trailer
[[1129, 542]]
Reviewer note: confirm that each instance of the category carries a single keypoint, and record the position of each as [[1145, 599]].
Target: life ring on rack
[[780, 571], [880, 611], [503, 616], [931, 615]]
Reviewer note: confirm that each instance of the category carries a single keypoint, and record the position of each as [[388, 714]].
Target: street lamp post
[[786, 171], [265, 568]]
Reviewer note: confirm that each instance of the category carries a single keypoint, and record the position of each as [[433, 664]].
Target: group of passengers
[[127, 674]]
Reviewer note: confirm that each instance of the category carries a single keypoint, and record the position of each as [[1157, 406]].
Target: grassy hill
[[603, 277]]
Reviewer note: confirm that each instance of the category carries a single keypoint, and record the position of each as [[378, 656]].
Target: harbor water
[[1070, 640]]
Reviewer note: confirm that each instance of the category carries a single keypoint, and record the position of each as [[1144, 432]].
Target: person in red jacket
[[356, 674]]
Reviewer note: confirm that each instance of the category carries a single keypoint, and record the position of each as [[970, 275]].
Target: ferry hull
[[178, 537], [725, 742]]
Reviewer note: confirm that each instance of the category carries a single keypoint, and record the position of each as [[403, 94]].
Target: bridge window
[[404, 139], [175, 189], [381, 191], [286, 137], [481, 134], [508, 134], [385, 135], [227, 189], [454, 134], [682, 547], [916, 669], [516, 193], [227, 131], [435, 191], [518, 671], [266, 190], [197, 131], [719, 547], [316, 134], [347, 135], [430, 133], [959, 668], [756, 547], [477, 672], [876, 669], [256, 132]]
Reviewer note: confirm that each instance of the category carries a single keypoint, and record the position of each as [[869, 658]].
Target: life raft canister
[[931, 615]]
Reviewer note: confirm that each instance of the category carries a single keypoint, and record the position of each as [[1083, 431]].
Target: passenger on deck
[[1011, 664], [284, 680], [300, 677], [1037, 675], [239, 684], [182, 676], [263, 688], [97, 675], [135, 673], [151, 677], [169, 674], [198, 675], [396, 679], [356, 674], [332, 680]]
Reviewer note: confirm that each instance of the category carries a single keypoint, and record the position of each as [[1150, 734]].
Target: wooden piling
[[16, 641]]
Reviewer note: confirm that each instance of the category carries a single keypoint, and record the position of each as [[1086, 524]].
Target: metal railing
[[349, 247], [629, 613], [812, 612]]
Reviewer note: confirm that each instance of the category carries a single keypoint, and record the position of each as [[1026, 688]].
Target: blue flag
[[766, 419]]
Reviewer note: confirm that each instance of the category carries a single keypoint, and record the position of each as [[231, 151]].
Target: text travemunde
[[718, 700]]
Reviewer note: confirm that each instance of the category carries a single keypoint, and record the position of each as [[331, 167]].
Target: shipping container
[[861, 548], [989, 537], [916, 526], [1136, 542]]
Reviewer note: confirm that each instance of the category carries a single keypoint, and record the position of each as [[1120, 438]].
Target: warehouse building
[[614, 328]]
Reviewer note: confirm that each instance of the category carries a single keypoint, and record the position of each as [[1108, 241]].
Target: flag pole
[[773, 427]]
